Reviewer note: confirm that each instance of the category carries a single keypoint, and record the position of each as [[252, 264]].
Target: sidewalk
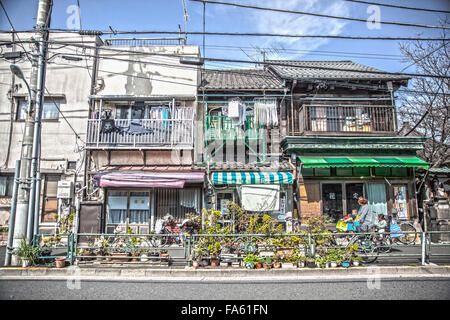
[[222, 274]]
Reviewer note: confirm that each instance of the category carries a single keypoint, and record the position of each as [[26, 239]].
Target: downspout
[[294, 83], [11, 120]]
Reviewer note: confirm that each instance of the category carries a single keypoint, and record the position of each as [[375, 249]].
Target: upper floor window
[[6, 186], [49, 111]]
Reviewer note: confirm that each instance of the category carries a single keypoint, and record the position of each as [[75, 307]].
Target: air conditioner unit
[[65, 190]]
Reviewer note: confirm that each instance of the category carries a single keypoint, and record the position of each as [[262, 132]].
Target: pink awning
[[142, 179]]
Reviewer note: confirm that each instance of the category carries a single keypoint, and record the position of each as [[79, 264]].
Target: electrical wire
[[319, 14], [397, 6]]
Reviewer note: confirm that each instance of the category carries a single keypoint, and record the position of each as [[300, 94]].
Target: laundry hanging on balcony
[[265, 112], [135, 127], [236, 111]]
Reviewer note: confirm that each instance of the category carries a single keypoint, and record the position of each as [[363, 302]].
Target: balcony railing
[[143, 133], [358, 119], [223, 128]]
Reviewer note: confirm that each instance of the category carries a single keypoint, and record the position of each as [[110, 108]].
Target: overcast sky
[[168, 14]]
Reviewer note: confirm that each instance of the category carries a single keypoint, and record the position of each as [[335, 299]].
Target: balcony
[[223, 128], [140, 134], [355, 119]]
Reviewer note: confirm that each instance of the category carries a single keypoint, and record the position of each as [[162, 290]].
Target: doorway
[[352, 192], [332, 200]]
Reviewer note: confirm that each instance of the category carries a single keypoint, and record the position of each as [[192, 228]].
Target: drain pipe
[[12, 215]]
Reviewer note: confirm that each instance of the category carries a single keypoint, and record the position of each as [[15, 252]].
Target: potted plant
[[356, 261], [267, 263], [250, 261], [322, 262], [60, 262], [27, 253], [277, 261], [290, 261], [349, 254], [301, 261], [310, 262]]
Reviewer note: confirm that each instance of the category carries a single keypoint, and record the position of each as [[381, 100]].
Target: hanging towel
[[233, 109]]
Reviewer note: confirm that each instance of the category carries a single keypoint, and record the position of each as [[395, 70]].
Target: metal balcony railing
[[339, 118], [142, 134]]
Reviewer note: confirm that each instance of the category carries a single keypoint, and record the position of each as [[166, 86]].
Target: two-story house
[[343, 135], [63, 125], [244, 121], [141, 135]]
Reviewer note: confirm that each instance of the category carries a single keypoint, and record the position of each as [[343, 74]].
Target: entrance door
[[352, 192], [332, 200]]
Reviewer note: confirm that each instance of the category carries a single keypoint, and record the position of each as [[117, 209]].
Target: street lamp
[[15, 69]]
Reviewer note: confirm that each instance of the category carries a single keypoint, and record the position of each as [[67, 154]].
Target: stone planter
[[288, 265], [120, 257]]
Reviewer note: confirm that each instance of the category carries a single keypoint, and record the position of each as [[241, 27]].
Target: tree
[[425, 106]]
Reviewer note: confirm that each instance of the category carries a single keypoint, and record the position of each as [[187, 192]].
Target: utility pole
[[30, 142]]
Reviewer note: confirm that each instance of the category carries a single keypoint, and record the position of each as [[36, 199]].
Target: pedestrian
[[366, 219], [381, 222]]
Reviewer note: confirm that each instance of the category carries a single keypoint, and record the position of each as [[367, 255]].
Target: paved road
[[349, 289]]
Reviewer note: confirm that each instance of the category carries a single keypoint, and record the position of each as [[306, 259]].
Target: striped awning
[[327, 162], [252, 178]]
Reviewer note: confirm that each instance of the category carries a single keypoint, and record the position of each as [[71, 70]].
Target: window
[[123, 205], [49, 111], [177, 202], [6, 186], [50, 205]]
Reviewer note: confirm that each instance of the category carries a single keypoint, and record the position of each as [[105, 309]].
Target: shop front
[[139, 199], [330, 182]]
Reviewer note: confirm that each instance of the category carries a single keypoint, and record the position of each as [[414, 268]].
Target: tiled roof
[[257, 79], [338, 70], [235, 166]]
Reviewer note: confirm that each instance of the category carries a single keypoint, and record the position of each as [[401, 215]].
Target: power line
[[396, 6], [271, 63], [250, 34], [320, 15]]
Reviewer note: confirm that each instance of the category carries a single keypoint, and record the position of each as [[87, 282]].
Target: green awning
[[327, 162], [252, 178]]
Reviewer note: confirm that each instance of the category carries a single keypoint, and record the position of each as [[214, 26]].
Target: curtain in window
[[117, 209], [139, 207], [377, 197], [3, 182], [50, 110]]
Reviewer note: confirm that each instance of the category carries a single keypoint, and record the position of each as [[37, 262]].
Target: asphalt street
[[412, 288]]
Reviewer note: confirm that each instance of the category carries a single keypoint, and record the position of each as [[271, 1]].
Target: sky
[[169, 14]]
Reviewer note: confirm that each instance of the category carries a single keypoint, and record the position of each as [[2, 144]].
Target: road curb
[[222, 273]]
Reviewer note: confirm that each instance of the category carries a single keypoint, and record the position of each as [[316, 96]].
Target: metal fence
[[164, 249]]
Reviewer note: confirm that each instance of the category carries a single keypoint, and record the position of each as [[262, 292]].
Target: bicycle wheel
[[366, 247], [408, 238]]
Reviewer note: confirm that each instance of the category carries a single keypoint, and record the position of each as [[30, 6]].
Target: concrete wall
[[144, 74], [68, 82]]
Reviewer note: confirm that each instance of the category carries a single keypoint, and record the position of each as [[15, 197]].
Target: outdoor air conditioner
[[65, 190]]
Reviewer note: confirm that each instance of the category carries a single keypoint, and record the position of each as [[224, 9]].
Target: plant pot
[[333, 264], [60, 262], [108, 259], [356, 263], [87, 254], [120, 257], [195, 264], [144, 257], [288, 265], [301, 264], [277, 265], [215, 262], [25, 263], [249, 265], [267, 266], [311, 264], [259, 265], [345, 264]]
